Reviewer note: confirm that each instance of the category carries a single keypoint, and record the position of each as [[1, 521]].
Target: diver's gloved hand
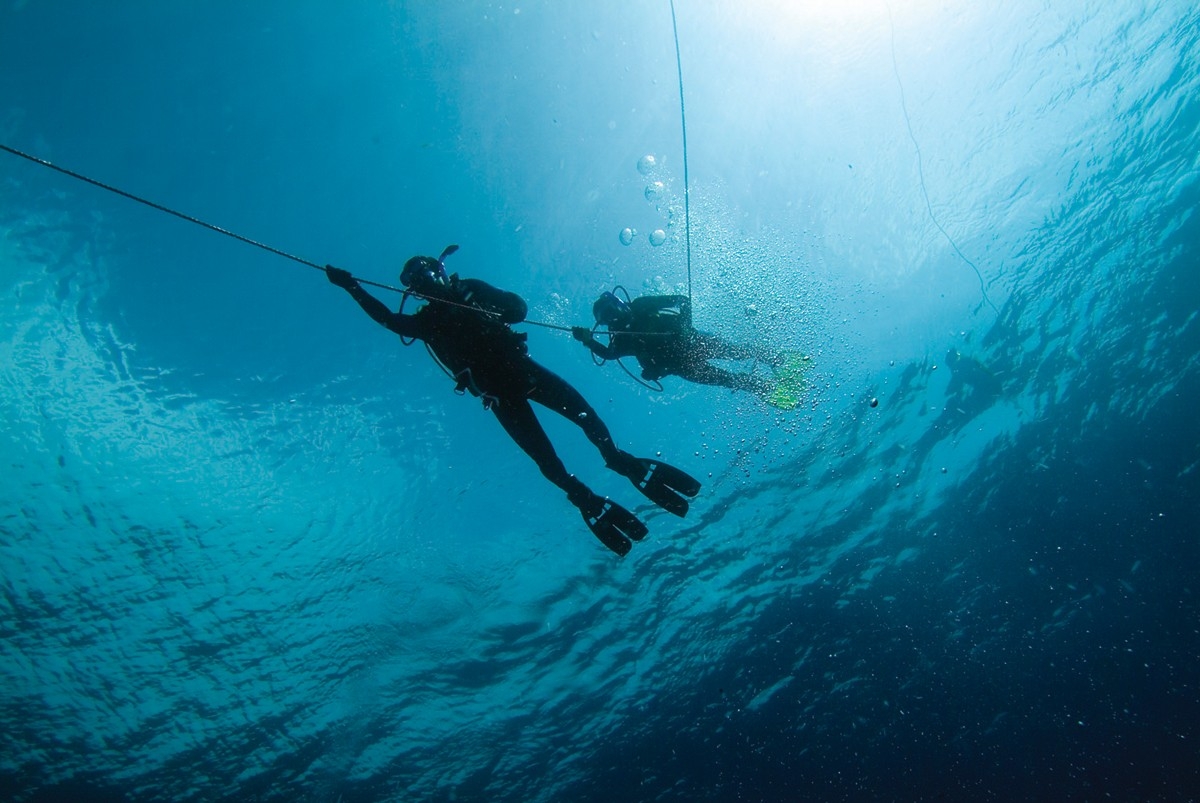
[[340, 278], [581, 333]]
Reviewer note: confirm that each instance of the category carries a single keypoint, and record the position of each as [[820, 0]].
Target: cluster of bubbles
[[654, 192]]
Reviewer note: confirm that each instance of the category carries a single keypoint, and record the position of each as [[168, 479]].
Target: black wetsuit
[[661, 337], [468, 332]]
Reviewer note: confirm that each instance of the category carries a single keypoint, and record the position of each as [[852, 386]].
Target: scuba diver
[[465, 327], [658, 331]]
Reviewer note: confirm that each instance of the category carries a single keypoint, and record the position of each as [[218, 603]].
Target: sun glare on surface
[[792, 14]]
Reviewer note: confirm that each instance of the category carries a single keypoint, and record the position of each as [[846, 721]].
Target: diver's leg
[[518, 420], [612, 524], [555, 393], [711, 347], [662, 483], [706, 374]]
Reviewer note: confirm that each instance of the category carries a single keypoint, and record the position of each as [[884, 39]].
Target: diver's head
[[612, 312], [426, 274], [423, 274]]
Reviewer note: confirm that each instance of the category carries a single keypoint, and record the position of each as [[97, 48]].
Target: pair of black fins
[[666, 486]]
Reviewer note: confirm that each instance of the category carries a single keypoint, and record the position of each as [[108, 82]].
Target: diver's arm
[[585, 337], [400, 324]]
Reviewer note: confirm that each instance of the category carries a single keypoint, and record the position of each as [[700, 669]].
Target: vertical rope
[[921, 173], [687, 205]]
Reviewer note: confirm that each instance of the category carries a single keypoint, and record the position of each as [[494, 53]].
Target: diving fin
[[663, 484], [615, 526], [790, 381]]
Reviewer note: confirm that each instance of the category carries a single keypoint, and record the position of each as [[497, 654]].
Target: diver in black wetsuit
[[466, 328], [658, 331]]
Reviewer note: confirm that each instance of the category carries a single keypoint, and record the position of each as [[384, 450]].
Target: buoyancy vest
[[481, 353]]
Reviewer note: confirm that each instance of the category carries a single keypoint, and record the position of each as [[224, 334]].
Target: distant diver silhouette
[[658, 332]]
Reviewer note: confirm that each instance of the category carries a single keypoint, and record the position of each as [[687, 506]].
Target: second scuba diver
[[466, 328], [658, 332]]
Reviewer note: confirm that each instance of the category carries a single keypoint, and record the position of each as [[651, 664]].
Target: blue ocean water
[[253, 548]]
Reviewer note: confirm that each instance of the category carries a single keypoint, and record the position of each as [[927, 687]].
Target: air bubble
[[658, 237], [647, 164], [627, 235]]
